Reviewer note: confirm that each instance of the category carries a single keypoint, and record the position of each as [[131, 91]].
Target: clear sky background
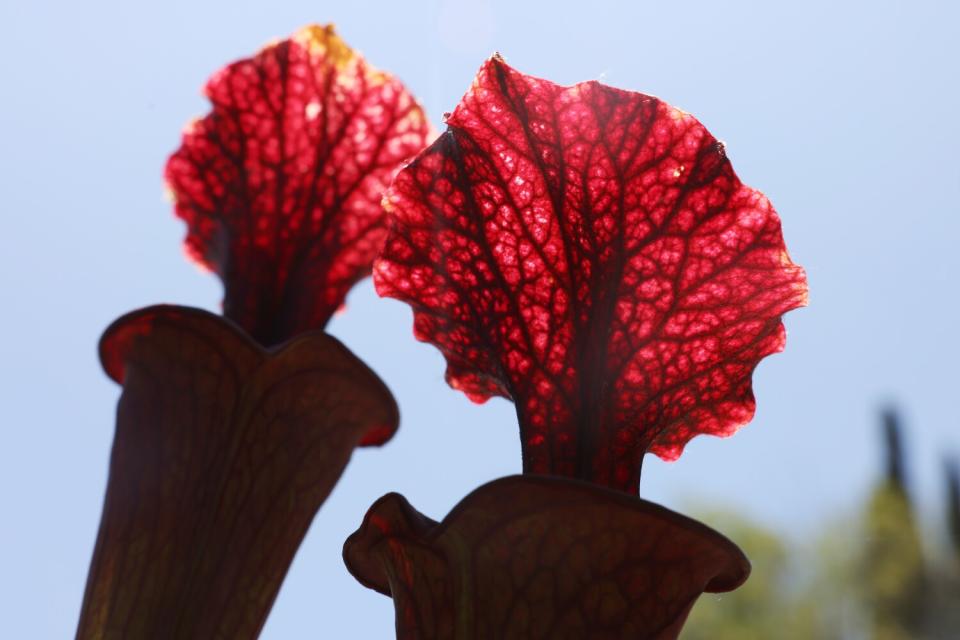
[[844, 114]]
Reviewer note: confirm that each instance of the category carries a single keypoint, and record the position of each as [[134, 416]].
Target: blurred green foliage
[[872, 575], [767, 606]]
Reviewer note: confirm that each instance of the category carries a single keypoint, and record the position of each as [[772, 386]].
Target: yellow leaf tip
[[322, 40]]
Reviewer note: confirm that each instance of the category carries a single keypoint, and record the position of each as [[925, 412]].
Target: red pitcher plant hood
[[589, 253], [280, 184]]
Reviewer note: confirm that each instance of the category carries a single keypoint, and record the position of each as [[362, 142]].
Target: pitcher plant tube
[[232, 431], [541, 557], [589, 253], [223, 454]]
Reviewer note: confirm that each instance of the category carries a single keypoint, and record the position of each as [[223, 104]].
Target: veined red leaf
[[223, 454], [541, 557], [590, 253], [280, 185]]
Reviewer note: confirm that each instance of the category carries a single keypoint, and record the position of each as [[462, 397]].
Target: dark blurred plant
[[891, 565]]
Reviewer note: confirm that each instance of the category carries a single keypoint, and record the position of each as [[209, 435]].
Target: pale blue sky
[[844, 114]]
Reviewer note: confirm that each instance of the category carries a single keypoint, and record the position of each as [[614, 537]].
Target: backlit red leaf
[[223, 454], [280, 185], [591, 254], [540, 557]]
